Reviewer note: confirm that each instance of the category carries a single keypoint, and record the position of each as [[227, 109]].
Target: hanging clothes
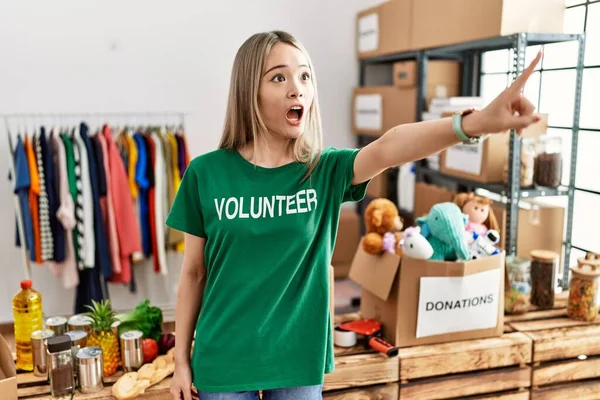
[[21, 189], [152, 199], [44, 206], [72, 178], [58, 233], [67, 269], [143, 182], [127, 227], [160, 201], [35, 252], [102, 258], [113, 237], [84, 206]]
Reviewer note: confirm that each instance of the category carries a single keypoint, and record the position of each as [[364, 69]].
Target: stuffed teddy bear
[[444, 229], [479, 210], [383, 226]]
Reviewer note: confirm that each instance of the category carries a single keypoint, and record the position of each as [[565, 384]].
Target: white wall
[[109, 56]]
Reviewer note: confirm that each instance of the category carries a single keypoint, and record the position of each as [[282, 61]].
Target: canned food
[[132, 354], [80, 322], [39, 346], [90, 369], [58, 324], [78, 341]]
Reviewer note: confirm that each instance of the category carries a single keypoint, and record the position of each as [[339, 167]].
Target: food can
[[80, 322], [58, 324], [38, 347], [115, 328], [90, 369], [78, 342], [132, 354]]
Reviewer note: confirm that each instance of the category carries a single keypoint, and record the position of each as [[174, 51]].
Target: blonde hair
[[243, 122]]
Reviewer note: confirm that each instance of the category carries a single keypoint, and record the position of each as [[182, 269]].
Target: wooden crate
[[361, 373], [565, 353], [492, 368]]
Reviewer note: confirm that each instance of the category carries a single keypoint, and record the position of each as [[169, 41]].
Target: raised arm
[[410, 142]]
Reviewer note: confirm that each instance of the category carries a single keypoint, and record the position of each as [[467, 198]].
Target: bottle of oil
[[27, 313]]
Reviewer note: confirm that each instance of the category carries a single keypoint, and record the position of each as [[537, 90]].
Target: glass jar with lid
[[584, 290], [518, 285], [528, 154], [548, 161], [544, 265]]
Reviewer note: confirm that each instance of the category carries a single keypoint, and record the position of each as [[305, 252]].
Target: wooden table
[[541, 355]]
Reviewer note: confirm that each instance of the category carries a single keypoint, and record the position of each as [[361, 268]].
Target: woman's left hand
[[510, 110]]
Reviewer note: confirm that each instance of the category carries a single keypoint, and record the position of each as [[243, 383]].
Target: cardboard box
[[348, 238], [443, 22], [485, 161], [443, 77], [383, 29], [427, 195], [376, 109], [465, 301], [8, 372]]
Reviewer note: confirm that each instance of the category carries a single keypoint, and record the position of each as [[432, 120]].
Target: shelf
[[489, 44], [497, 188]]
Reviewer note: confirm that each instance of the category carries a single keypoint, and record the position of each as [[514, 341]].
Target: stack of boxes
[[411, 25]]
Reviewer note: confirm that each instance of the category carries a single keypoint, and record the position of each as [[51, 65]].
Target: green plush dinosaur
[[444, 228]]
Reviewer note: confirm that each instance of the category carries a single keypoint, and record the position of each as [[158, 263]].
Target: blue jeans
[[295, 393]]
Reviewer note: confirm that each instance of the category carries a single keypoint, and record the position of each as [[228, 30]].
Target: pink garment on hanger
[[67, 269], [128, 230], [113, 238]]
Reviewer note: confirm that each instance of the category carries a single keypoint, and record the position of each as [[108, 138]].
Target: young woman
[[260, 217]]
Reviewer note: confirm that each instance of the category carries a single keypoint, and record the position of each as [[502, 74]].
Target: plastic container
[[544, 264], [584, 291], [518, 286], [548, 162], [27, 314]]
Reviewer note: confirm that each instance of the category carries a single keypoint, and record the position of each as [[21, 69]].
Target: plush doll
[[479, 210], [444, 228], [383, 225]]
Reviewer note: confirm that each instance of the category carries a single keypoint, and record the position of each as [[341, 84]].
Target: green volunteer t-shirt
[[265, 320]]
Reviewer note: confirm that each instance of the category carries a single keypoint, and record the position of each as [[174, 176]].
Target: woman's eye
[[278, 78], [306, 76]]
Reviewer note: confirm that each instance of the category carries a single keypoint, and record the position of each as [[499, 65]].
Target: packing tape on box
[[343, 338]]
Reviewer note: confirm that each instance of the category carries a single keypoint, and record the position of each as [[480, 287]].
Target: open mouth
[[294, 114]]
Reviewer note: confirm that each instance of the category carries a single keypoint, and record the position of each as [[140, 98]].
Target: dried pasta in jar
[[584, 293]]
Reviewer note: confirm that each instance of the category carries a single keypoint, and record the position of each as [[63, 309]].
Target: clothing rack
[[23, 120]]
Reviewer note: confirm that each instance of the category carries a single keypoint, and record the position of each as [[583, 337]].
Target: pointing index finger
[[519, 82]]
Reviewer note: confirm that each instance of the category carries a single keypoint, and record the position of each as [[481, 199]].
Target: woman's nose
[[295, 90]]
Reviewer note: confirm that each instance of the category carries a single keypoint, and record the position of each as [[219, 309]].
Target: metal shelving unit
[[469, 54]]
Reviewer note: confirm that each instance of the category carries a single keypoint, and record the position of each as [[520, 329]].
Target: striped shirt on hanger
[[47, 242]]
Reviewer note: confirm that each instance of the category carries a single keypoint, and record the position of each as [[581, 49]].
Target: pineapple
[[102, 335]]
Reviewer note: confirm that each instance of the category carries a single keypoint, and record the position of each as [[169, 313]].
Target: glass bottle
[[548, 161], [543, 274], [584, 293]]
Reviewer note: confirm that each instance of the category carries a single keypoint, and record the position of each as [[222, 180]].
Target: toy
[[383, 225], [484, 245], [479, 210], [414, 245], [444, 229]]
